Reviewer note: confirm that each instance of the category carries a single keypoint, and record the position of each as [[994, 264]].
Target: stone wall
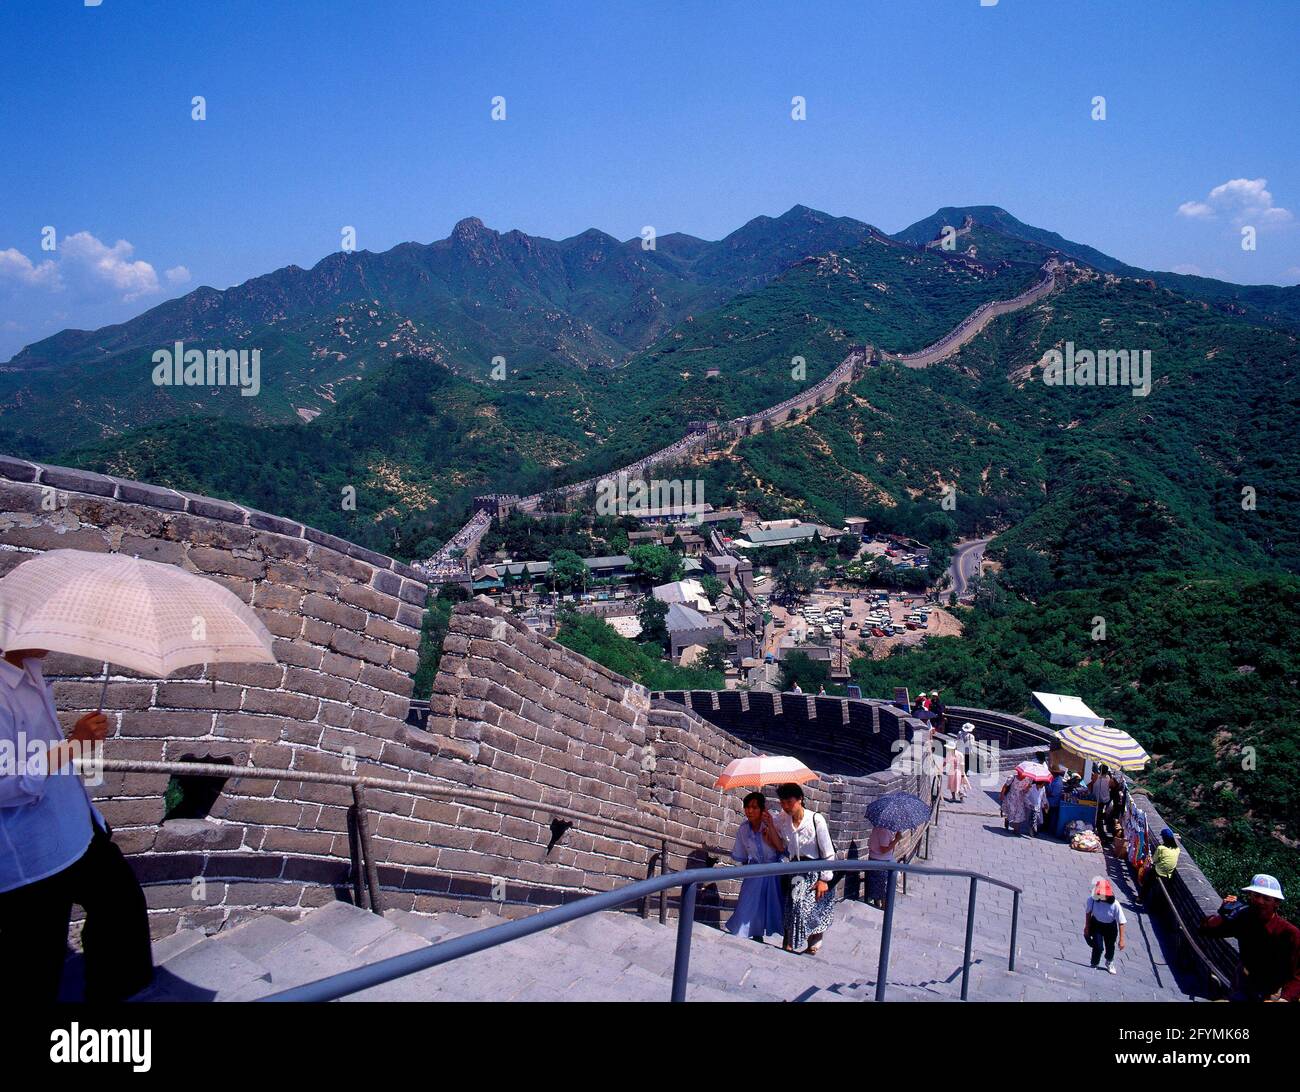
[[543, 722], [1193, 898], [346, 627], [974, 323], [838, 735]]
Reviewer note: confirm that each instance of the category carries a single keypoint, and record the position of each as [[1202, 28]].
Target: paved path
[[966, 561], [1056, 880]]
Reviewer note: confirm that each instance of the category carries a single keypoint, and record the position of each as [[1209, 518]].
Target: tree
[[810, 674], [713, 587], [715, 656], [655, 564], [651, 614], [792, 579], [568, 571]]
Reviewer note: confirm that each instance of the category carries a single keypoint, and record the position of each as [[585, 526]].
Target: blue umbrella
[[898, 811]]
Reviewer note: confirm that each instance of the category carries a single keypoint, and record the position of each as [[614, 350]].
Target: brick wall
[[346, 627], [1193, 898], [853, 737]]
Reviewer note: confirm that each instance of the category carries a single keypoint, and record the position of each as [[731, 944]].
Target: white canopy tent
[[1066, 709]]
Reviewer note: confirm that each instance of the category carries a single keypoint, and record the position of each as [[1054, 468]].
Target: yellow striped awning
[[1103, 744]]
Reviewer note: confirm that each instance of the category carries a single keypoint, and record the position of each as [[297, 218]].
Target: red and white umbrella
[[755, 771], [1035, 771]]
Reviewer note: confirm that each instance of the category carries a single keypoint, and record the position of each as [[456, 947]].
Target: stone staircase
[[619, 957]]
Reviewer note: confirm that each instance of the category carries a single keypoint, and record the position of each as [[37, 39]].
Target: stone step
[[348, 928], [208, 971], [620, 957]]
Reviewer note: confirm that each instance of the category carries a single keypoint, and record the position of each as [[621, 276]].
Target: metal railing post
[[360, 892], [663, 871], [363, 835], [682, 957], [886, 934], [1015, 924], [644, 910], [970, 938]]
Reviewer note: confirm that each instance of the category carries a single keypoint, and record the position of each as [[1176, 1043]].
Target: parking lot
[[857, 623]]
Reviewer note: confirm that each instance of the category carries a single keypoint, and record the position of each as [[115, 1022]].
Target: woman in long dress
[[809, 901], [758, 910], [1015, 802], [954, 767]]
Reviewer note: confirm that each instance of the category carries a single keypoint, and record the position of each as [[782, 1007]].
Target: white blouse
[[811, 838]]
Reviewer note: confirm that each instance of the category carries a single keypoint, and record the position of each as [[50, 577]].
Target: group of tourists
[[1109, 789], [799, 908], [930, 708]]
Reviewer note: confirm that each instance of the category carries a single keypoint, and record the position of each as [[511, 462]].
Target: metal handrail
[[385, 970], [366, 865], [426, 788]]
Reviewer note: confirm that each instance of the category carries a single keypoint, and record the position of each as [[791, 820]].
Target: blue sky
[[618, 115]]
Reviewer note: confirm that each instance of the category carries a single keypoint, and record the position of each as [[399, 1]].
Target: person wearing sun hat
[[1269, 968], [1103, 923], [966, 741]]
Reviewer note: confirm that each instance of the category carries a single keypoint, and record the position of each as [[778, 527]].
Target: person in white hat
[[966, 742], [1269, 968]]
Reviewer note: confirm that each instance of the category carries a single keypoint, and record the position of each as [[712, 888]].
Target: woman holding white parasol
[[56, 850]]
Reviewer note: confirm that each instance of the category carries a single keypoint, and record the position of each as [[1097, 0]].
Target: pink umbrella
[[755, 771], [1035, 771]]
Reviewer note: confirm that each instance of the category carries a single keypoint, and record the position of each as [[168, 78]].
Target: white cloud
[[1241, 200], [16, 266], [98, 266], [93, 269]]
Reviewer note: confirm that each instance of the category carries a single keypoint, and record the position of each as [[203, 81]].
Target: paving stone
[[348, 928]]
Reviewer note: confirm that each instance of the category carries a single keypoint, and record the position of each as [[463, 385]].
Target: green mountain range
[[463, 302]]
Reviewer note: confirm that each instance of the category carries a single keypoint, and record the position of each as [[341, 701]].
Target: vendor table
[[1076, 809]]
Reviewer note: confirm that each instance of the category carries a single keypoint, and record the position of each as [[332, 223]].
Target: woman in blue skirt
[[758, 911]]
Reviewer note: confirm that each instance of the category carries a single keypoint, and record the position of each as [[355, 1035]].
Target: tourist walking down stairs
[[809, 901], [1103, 923], [56, 850], [758, 909]]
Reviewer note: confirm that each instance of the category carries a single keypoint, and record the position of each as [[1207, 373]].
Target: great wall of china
[[974, 324], [451, 560], [537, 777]]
